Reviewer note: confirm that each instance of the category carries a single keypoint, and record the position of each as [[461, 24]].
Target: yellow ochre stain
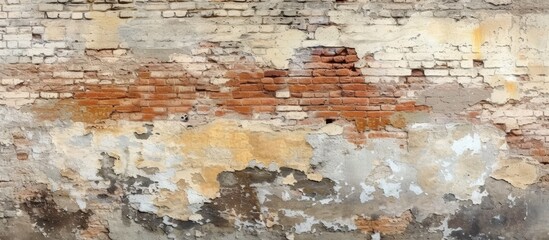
[[477, 41], [511, 88]]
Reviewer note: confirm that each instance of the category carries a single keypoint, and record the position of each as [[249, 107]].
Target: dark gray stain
[[146, 135], [52, 220]]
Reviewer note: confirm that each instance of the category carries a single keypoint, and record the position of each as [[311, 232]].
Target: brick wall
[[193, 116]]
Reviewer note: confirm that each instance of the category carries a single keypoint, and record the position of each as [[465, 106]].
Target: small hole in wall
[[102, 196], [185, 118], [478, 63], [36, 36], [418, 72], [328, 121]]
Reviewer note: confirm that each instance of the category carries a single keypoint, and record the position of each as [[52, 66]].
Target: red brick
[[251, 87], [313, 101], [88, 102], [343, 72], [250, 75], [251, 101], [164, 89], [316, 108], [231, 74], [325, 80], [386, 107], [268, 101], [405, 107], [368, 108], [242, 109], [141, 89], [355, 87], [317, 65], [216, 95], [275, 73], [153, 110], [353, 114], [326, 114], [280, 80], [114, 89], [339, 59], [322, 94], [317, 51], [335, 101], [328, 87], [148, 116], [100, 95], [158, 82], [348, 93], [308, 95], [179, 109], [183, 89], [233, 102], [298, 88], [249, 94], [351, 58], [267, 80], [156, 95], [367, 94], [343, 108], [187, 95], [143, 74], [272, 87], [303, 80], [380, 114], [335, 94], [128, 109], [264, 109], [117, 101], [352, 80], [329, 52], [355, 101], [166, 103], [383, 100]]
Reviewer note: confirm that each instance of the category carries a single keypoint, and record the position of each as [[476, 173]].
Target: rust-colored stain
[[385, 225], [74, 110]]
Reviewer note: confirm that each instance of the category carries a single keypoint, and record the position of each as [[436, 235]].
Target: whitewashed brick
[[398, 72], [14, 95], [388, 56], [288, 108], [463, 72], [295, 115], [49, 95], [68, 74], [436, 72]]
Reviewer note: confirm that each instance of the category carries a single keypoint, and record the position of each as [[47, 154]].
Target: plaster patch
[[518, 172]]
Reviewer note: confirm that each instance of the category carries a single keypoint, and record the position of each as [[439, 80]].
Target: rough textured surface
[[353, 119]]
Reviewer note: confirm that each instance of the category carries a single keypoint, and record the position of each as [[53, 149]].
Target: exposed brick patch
[[158, 91], [327, 86], [528, 146], [385, 225], [322, 85]]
